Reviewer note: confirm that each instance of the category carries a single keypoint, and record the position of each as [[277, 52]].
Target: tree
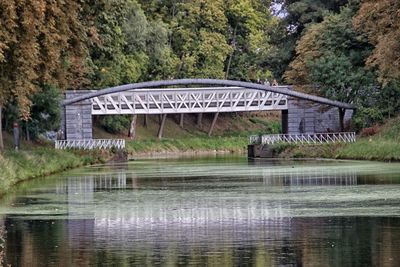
[[198, 38], [379, 20], [45, 111], [7, 36], [130, 47], [294, 17], [42, 42], [248, 23], [331, 61], [335, 36]]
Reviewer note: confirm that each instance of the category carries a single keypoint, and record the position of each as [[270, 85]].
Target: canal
[[216, 211]]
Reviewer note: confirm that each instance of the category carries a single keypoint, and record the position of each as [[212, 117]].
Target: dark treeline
[[342, 49]]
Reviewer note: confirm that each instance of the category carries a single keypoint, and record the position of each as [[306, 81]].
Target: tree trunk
[[161, 130], [228, 68], [132, 129], [27, 136], [213, 124], [181, 120], [1, 128], [145, 120], [200, 120], [342, 111]]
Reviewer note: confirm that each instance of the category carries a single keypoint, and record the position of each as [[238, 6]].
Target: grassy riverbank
[[382, 146], [233, 144], [17, 166], [35, 160]]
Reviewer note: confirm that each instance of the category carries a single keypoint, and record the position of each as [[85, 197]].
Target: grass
[[17, 166], [35, 160], [40, 159], [230, 134], [232, 144], [384, 146], [227, 125], [382, 150]]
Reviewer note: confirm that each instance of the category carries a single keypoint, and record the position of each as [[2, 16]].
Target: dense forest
[[346, 50]]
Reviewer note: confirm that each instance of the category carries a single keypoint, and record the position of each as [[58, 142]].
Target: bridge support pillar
[[78, 117], [309, 117]]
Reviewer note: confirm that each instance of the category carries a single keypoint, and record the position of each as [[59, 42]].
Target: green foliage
[[22, 165], [198, 39], [338, 78], [296, 16], [233, 144], [367, 116], [115, 124], [371, 150], [130, 48], [248, 23], [384, 146], [271, 127], [97, 44], [45, 111]]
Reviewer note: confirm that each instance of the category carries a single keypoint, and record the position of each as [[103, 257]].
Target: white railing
[[188, 100], [89, 144], [310, 138]]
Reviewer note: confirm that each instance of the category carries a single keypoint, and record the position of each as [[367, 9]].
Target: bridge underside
[[298, 115]]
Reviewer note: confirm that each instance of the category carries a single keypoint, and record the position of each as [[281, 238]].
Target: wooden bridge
[[301, 113]]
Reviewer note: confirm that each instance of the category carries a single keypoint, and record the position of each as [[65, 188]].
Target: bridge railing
[[188, 100], [310, 138], [90, 144]]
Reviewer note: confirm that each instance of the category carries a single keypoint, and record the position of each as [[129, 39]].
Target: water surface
[[221, 211]]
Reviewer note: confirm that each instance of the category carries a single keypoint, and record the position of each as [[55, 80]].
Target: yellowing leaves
[[49, 34], [380, 21]]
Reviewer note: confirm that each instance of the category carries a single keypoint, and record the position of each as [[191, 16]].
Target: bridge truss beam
[[188, 100], [285, 90]]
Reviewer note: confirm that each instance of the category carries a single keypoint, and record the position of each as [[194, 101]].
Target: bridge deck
[[188, 100]]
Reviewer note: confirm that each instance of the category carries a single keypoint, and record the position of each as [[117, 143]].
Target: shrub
[[368, 131], [115, 124]]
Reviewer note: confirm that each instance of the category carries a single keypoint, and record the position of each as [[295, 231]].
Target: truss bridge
[[301, 113], [187, 100]]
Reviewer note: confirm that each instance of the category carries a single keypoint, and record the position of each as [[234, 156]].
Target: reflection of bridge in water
[[130, 210], [148, 207], [317, 176], [162, 217]]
